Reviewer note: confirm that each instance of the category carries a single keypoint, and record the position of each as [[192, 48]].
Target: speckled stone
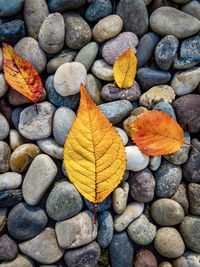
[[4, 128], [94, 86], [145, 258], [193, 191], [8, 248], [120, 197], [98, 9], [4, 156], [165, 107], [190, 48], [181, 197], [11, 31], [183, 63], [9, 198], [105, 229]]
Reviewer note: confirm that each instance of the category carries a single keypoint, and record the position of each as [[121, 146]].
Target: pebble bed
[[153, 217]]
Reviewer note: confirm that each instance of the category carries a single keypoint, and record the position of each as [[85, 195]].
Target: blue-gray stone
[[10, 198], [98, 9], [148, 77], [16, 116], [165, 107], [105, 229], [105, 205], [121, 250], [64, 5], [11, 31], [146, 47], [9, 8], [184, 63], [190, 48], [58, 100]]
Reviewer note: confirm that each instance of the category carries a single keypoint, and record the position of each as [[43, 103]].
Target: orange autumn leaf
[[124, 69], [94, 154], [156, 133], [21, 75]]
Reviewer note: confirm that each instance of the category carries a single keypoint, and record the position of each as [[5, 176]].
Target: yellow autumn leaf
[[124, 69], [94, 155]]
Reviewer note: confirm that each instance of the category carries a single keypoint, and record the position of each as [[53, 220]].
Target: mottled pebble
[[120, 197], [8, 248], [4, 156], [10, 180], [10, 198], [181, 197], [193, 192], [4, 128], [135, 160], [51, 147], [11, 31], [98, 9], [145, 258], [190, 48], [105, 229]]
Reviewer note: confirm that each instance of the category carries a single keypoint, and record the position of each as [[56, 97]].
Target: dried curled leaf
[[94, 155], [125, 69], [156, 133], [21, 75]]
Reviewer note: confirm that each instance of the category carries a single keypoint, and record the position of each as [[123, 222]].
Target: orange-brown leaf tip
[[94, 155], [156, 133], [124, 69], [21, 75]]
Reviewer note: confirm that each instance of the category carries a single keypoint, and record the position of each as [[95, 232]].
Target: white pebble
[[123, 135], [135, 160]]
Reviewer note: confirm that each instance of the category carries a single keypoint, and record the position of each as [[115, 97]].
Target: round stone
[[15, 139], [68, 78], [10, 180], [135, 160], [165, 107], [4, 85], [167, 212], [63, 202], [105, 229], [11, 8], [120, 197], [51, 148], [194, 195], [25, 222], [145, 258], [154, 163], [4, 128], [102, 70], [98, 9], [8, 248], [4, 156], [168, 242]]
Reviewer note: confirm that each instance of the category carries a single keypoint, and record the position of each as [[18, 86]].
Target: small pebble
[[120, 197], [4, 156], [135, 160], [123, 135], [15, 139], [51, 147], [181, 197], [154, 163], [145, 258], [93, 86], [10, 180], [193, 192], [8, 248], [4, 128], [105, 229], [102, 70], [98, 9]]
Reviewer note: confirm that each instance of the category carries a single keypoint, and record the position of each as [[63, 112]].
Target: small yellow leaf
[[156, 133], [125, 69], [94, 155]]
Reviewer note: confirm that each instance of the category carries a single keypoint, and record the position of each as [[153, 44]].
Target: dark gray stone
[[10, 198], [9, 8], [25, 222], [16, 116], [105, 229], [8, 248], [64, 5], [98, 9], [11, 31], [194, 198], [105, 205]]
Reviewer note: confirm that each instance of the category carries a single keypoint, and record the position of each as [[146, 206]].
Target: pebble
[[165, 51], [34, 15], [185, 82], [64, 5], [35, 121], [43, 248], [20, 260], [25, 222], [167, 212], [131, 13], [77, 231], [168, 178], [77, 31], [180, 196], [98, 9], [6, 109], [63, 202], [163, 19], [4, 128], [165, 107], [104, 205], [51, 147], [16, 116], [11, 8], [93, 86], [135, 160], [190, 48], [192, 8], [1, 60], [8, 248], [87, 54], [15, 139], [189, 259], [121, 250], [105, 229], [17, 99], [168, 242], [142, 185], [110, 92], [116, 111], [10, 180], [148, 77], [62, 122], [193, 192], [3, 220], [183, 63], [22, 157], [3, 83], [146, 47], [68, 78], [165, 264], [123, 135], [86, 256], [29, 49], [10, 198], [102, 70], [189, 230], [4, 156], [11, 31], [141, 231], [154, 163], [120, 197], [188, 112], [70, 101], [113, 48], [107, 28], [38, 178], [132, 212], [145, 258], [52, 33]]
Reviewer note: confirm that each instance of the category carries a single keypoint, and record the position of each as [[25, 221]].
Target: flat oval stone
[[4, 128], [98, 9], [105, 229], [10, 180], [193, 195], [4, 156], [146, 258], [102, 70], [29, 49], [8, 248], [11, 8], [77, 31], [51, 148], [4, 85], [64, 5], [135, 160], [11, 31], [20, 260], [120, 197], [119, 44], [63, 202], [52, 33], [15, 139], [131, 13], [25, 222], [163, 19], [22, 157], [94, 86], [34, 15]]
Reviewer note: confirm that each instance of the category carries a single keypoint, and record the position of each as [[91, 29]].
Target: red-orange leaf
[[156, 133], [21, 75]]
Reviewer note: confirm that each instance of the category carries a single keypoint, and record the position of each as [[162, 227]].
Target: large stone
[[10, 8], [50, 147], [20, 260]]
